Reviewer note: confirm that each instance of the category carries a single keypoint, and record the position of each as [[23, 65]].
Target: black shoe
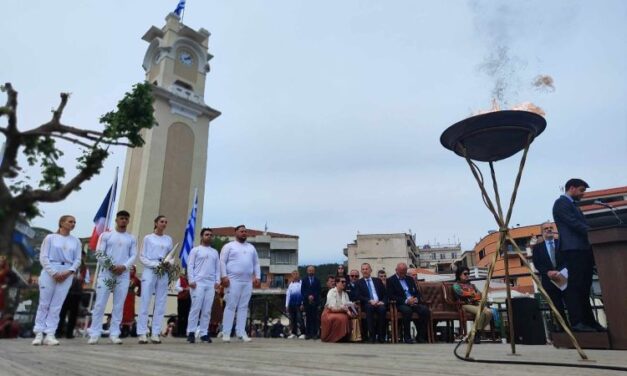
[[583, 328], [421, 340], [477, 340], [70, 336], [191, 338], [205, 339], [408, 341], [381, 340], [372, 340], [598, 327]]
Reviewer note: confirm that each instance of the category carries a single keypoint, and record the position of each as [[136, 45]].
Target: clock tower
[[160, 177]]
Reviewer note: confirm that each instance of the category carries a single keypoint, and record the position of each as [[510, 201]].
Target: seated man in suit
[[402, 288], [373, 298], [548, 263]]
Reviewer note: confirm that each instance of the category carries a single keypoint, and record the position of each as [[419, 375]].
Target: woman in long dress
[[60, 258], [338, 310]]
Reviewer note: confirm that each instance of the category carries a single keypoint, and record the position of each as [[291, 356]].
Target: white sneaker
[[245, 338], [291, 336], [92, 340], [302, 336], [155, 339], [116, 340], [226, 338], [51, 340], [142, 339], [39, 339]]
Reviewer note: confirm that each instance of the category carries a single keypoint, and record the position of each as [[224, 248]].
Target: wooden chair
[[433, 294]]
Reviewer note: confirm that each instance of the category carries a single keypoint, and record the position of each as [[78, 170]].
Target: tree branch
[[13, 139], [54, 195], [73, 140]]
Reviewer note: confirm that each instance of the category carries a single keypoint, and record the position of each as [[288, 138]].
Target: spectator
[[470, 297], [338, 310]]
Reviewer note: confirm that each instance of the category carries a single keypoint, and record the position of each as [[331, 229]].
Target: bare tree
[[18, 199]]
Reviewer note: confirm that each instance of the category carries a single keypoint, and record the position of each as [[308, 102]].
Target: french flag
[[103, 215]]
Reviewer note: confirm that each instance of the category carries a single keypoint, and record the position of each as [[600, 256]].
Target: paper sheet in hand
[[562, 280]]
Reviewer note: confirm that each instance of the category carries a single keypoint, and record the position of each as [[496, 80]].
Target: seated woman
[[335, 323], [468, 294]]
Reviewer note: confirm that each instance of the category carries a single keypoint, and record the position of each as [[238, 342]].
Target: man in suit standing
[[402, 288], [373, 298], [577, 253], [351, 286], [548, 262], [310, 291]]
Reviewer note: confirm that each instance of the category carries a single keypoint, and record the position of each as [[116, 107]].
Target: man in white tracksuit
[[203, 274], [121, 248], [240, 271]]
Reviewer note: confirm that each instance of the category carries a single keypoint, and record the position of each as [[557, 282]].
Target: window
[[481, 254], [453, 255], [282, 258], [442, 256], [184, 85], [433, 256]]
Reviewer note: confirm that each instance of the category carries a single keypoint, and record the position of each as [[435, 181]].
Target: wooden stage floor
[[283, 357]]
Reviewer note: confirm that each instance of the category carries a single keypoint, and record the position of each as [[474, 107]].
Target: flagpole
[[107, 219]]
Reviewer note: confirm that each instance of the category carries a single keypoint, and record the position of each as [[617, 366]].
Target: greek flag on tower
[[188, 239], [180, 8]]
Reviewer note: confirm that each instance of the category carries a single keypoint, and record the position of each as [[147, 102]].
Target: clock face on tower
[[186, 58]]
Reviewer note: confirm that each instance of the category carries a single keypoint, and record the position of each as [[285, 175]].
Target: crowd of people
[[332, 311], [329, 312]]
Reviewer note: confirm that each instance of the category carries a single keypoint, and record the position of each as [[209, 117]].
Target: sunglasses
[[354, 276], [465, 273]]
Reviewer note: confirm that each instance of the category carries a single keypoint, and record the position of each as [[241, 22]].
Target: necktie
[[551, 249], [311, 280], [368, 282]]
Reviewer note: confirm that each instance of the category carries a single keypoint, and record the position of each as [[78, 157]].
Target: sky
[[332, 110]]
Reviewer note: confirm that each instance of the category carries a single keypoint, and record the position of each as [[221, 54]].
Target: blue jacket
[[571, 225], [307, 288]]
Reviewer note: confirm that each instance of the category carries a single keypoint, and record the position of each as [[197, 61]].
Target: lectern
[[609, 245]]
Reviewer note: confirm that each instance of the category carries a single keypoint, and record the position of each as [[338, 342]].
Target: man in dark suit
[[577, 253], [310, 291], [351, 286], [373, 298], [403, 290], [548, 262]]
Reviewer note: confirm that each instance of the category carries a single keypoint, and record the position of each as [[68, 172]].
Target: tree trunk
[[7, 226]]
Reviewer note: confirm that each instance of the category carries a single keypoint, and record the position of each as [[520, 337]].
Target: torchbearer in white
[[239, 266], [60, 258], [203, 274], [153, 254], [116, 253]]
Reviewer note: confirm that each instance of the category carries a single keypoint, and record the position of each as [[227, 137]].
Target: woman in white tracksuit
[[154, 250], [60, 258]]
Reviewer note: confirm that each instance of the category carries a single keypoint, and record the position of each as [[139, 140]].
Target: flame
[[524, 106]]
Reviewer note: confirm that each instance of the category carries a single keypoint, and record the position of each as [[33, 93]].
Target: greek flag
[[180, 8], [188, 238]]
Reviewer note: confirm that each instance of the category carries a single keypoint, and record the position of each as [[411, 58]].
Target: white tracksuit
[[58, 253], [240, 263], [122, 248], [203, 268], [154, 249]]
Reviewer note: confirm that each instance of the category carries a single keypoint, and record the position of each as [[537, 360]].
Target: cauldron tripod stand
[[489, 138]]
